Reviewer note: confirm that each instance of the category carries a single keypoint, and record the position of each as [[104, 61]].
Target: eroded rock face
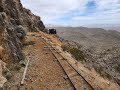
[[15, 22], [2, 79]]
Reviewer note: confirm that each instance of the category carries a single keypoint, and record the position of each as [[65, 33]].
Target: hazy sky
[[75, 12]]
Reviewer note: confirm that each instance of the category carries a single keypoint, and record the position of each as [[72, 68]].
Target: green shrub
[[28, 43], [64, 47], [8, 75], [77, 54]]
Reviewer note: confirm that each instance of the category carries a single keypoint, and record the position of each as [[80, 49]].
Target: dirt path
[[44, 73]]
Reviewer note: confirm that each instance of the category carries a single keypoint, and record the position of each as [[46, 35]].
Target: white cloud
[[108, 4], [106, 11], [52, 9]]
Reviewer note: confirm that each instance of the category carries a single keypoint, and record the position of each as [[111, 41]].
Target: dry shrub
[[77, 53]]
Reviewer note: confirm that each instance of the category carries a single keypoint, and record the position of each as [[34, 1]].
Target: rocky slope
[[101, 48], [15, 22]]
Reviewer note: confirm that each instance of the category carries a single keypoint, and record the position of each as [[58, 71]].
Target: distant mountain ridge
[[92, 34], [104, 26]]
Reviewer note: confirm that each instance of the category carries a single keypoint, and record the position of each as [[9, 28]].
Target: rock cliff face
[[15, 21]]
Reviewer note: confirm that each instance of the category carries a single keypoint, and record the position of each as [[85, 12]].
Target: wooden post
[[24, 74]]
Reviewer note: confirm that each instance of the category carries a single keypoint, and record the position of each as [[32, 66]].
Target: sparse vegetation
[[65, 47], [24, 56], [80, 56], [7, 75], [102, 73], [77, 53], [28, 43], [118, 68], [101, 49], [17, 67]]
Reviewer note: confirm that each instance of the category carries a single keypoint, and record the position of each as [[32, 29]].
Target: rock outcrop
[[2, 79], [15, 22]]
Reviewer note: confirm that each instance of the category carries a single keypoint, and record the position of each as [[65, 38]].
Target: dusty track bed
[[79, 83], [44, 73]]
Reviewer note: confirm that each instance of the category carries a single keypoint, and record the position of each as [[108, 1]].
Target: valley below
[[101, 48]]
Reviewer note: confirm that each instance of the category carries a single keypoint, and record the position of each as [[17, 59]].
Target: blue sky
[[75, 12]]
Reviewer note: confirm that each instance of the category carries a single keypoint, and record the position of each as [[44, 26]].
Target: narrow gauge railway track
[[77, 80]]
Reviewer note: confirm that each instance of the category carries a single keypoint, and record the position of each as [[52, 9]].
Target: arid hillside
[[100, 47], [89, 35]]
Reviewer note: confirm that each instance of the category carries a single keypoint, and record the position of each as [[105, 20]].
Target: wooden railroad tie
[[24, 74]]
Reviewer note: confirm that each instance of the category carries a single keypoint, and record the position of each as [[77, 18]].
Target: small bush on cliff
[[7, 74], [28, 43], [77, 53], [21, 31], [65, 48]]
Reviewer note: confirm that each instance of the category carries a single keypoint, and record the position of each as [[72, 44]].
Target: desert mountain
[[101, 47]]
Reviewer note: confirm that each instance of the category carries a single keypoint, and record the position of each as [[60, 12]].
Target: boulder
[[52, 31], [21, 32]]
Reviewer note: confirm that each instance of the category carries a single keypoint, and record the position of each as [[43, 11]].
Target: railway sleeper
[[73, 74]]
